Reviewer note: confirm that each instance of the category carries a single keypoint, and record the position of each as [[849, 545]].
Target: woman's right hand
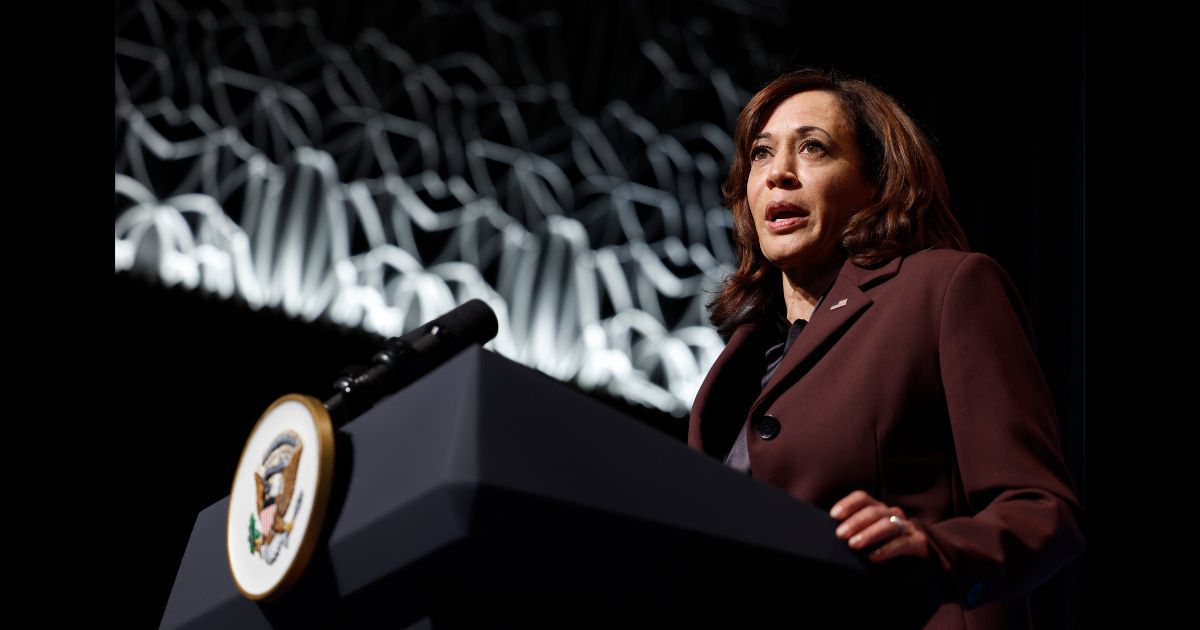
[[868, 522]]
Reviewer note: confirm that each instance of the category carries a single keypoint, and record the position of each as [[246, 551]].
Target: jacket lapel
[[846, 300], [731, 384]]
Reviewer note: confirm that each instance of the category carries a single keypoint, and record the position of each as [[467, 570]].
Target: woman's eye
[[757, 153], [810, 144]]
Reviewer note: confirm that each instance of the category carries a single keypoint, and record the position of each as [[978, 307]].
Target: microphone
[[406, 358]]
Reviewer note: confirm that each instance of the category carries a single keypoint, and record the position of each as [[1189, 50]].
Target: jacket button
[[767, 426]]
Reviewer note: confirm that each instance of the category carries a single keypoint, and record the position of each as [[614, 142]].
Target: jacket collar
[[843, 304]]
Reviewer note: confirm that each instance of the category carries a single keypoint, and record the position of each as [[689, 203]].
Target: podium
[[489, 495]]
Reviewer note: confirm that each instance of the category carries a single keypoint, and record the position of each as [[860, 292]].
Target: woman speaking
[[874, 367]]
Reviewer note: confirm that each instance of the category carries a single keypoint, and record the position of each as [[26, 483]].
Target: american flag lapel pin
[[840, 304]]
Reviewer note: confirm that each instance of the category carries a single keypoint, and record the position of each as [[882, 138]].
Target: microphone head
[[473, 322]]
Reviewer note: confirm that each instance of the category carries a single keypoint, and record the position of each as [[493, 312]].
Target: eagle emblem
[[276, 496]]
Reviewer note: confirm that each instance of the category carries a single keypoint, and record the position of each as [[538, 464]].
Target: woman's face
[[805, 181]]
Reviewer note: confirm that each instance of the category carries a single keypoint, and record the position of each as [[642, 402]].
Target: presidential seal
[[280, 492], [277, 498]]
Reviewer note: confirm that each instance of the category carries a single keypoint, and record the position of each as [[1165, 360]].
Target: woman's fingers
[[861, 520], [884, 526], [911, 542], [851, 503], [868, 523], [860, 510], [866, 520]]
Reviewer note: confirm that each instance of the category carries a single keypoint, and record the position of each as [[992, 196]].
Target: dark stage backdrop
[[296, 181]]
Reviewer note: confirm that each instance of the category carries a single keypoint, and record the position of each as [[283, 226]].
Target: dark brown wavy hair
[[911, 210]]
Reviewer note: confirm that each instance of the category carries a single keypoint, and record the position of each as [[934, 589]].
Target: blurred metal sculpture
[[257, 157]]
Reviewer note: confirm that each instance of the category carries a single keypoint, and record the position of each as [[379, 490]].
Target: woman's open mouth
[[783, 216]]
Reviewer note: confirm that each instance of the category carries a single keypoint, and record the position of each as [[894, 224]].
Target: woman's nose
[[783, 174]]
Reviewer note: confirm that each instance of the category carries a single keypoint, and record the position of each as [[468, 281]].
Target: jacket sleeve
[[1025, 519]]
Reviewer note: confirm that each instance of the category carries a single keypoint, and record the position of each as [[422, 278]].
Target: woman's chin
[[801, 259], [784, 257]]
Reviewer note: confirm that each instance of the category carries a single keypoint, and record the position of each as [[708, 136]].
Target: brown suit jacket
[[916, 382]]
